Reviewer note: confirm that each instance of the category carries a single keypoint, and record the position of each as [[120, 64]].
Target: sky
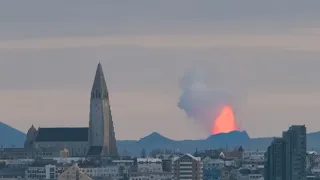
[[265, 52]]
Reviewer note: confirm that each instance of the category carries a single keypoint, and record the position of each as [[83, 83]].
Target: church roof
[[62, 134], [99, 83]]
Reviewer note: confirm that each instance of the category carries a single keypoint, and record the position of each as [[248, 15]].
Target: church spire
[[99, 88], [101, 130]]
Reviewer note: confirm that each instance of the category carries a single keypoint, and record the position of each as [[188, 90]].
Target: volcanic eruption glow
[[225, 122]]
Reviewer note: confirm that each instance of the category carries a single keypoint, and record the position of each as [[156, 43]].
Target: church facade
[[96, 140]]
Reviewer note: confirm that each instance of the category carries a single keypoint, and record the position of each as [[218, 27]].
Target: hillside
[[230, 140], [11, 137]]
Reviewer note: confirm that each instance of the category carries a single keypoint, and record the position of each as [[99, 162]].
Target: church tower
[[102, 139]]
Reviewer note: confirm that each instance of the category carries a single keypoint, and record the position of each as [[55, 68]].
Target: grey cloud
[[139, 69], [35, 18], [202, 101]]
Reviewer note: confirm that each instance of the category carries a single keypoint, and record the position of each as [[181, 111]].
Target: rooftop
[[149, 160], [62, 134]]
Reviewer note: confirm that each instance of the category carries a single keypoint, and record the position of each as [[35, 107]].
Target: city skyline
[[270, 62]]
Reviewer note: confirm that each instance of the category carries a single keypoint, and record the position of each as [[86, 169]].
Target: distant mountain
[[155, 140], [230, 140], [11, 137]]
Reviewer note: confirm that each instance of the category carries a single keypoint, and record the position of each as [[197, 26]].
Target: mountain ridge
[[231, 139], [11, 137]]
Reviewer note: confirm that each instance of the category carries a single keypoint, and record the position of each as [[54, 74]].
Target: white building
[[248, 174], [123, 162], [255, 177], [44, 172], [252, 154], [149, 165], [209, 163], [18, 163], [253, 162], [151, 176], [54, 171], [105, 171], [187, 167], [315, 170]]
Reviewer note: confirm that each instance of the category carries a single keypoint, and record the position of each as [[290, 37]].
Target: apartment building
[[187, 167]]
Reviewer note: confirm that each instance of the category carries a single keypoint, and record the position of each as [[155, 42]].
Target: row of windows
[[99, 170], [33, 176], [149, 162], [97, 94], [105, 175]]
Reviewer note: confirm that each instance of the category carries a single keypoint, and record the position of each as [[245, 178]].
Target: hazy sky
[[266, 52]]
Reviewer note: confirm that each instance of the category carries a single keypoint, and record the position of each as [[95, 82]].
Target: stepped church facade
[[96, 140]]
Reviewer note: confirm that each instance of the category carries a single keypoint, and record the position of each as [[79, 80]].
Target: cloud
[[269, 49], [284, 42], [139, 112], [202, 101]]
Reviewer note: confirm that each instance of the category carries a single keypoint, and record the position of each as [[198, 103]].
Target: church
[[96, 140]]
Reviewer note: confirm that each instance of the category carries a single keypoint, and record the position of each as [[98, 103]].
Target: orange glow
[[225, 122]]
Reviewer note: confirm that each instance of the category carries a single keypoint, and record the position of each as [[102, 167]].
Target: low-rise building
[[149, 165], [12, 174], [17, 163], [212, 168], [22, 153], [166, 161], [73, 173], [47, 171], [123, 162], [248, 174], [101, 171], [151, 176], [253, 154]]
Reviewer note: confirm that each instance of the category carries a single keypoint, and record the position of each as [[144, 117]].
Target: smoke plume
[[201, 100]]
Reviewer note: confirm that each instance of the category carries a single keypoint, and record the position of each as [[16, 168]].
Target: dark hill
[[155, 138], [230, 140], [10, 137], [234, 138]]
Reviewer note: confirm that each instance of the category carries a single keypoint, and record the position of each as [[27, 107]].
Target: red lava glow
[[225, 122]]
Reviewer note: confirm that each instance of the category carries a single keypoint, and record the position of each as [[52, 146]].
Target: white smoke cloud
[[202, 100]]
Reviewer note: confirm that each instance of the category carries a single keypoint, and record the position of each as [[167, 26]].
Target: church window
[[92, 95], [96, 94], [99, 95]]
